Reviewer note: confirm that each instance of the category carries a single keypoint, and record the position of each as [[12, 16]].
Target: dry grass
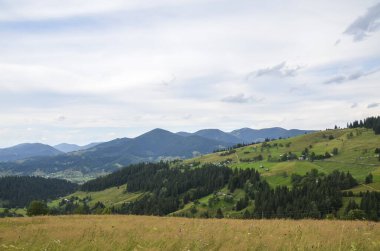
[[169, 233]]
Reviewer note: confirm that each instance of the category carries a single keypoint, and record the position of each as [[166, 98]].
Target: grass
[[113, 196], [202, 205], [21, 211], [170, 233]]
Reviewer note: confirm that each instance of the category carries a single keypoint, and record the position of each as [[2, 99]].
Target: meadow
[[114, 232], [355, 155]]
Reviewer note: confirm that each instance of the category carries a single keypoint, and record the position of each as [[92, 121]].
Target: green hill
[[356, 154], [345, 150]]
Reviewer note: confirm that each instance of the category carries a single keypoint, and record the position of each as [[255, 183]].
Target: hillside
[[111, 232], [349, 151], [27, 150], [356, 154]]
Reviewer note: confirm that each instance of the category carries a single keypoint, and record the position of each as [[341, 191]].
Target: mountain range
[[154, 145]]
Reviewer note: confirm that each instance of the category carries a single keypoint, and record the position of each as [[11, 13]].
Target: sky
[[81, 71]]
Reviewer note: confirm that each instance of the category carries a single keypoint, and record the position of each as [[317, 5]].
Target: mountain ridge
[[27, 150]]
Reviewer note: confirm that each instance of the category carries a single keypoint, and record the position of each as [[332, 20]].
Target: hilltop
[[27, 150]]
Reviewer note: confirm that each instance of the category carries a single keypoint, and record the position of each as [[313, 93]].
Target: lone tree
[[369, 178], [335, 151], [219, 214], [37, 207]]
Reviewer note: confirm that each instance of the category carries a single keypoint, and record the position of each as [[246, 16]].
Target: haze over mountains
[[154, 145], [66, 148], [27, 150]]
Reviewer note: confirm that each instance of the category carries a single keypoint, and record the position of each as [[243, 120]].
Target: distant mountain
[[160, 142], [245, 135], [66, 148], [219, 135], [154, 145], [184, 134], [249, 135], [151, 146], [27, 150]]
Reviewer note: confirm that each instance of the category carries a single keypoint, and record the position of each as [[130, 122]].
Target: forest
[[19, 191], [166, 190]]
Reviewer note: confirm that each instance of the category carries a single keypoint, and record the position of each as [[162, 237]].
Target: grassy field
[[355, 155], [170, 233], [113, 196]]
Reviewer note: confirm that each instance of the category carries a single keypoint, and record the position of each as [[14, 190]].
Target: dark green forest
[[19, 191], [370, 123], [166, 190]]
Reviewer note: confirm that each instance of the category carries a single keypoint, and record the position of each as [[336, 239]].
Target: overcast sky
[[80, 71]]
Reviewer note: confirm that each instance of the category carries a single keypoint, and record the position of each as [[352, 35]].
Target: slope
[[355, 147]]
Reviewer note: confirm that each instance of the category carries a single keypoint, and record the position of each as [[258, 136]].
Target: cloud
[[239, 98], [366, 24], [61, 118], [336, 80], [373, 105], [353, 76], [354, 105], [119, 66], [280, 70], [52, 9]]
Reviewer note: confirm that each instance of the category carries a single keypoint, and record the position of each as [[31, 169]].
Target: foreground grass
[[170, 233]]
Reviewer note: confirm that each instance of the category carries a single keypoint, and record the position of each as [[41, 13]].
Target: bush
[[356, 214], [37, 207], [369, 178]]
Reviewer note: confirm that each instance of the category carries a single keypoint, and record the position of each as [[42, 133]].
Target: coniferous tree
[[219, 214]]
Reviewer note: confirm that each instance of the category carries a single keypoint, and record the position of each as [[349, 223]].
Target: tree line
[[370, 123]]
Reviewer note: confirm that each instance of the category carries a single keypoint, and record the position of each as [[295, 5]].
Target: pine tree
[[369, 178], [219, 214]]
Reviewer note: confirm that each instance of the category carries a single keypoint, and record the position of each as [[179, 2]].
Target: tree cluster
[[19, 191], [312, 196], [370, 123], [369, 207]]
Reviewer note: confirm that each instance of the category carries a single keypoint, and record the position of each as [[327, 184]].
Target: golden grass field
[[115, 232]]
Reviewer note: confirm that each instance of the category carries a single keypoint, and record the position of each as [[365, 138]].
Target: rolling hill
[[27, 150]]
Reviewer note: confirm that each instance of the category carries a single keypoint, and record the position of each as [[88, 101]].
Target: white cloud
[[240, 98], [280, 70], [364, 25], [373, 105], [352, 76]]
